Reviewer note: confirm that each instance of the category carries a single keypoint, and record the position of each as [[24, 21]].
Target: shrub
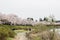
[[5, 32]]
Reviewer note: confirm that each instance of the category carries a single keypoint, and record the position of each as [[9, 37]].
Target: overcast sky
[[31, 8]]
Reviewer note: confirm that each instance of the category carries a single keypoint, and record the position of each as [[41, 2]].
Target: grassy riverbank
[[33, 29]]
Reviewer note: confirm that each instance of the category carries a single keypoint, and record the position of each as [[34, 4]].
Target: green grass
[[9, 38], [16, 31], [19, 31], [37, 28]]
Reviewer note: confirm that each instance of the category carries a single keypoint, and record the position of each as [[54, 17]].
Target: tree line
[[12, 19]]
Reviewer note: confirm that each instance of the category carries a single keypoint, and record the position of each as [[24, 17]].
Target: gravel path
[[21, 36]]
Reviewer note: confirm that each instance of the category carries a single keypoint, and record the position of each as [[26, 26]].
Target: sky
[[31, 8]]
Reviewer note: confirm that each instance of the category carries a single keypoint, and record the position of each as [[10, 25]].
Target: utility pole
[[52, 23]]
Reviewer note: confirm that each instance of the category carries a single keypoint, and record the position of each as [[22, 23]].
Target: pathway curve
[[21, 36]]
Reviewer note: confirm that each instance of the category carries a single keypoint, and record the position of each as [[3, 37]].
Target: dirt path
[[21, 36]]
